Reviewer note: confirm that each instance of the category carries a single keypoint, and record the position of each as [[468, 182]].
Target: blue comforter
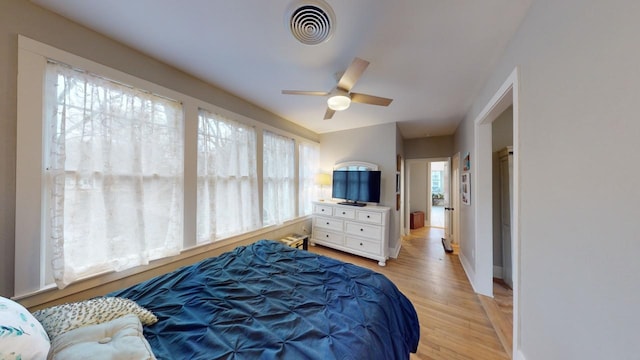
[[269, 301]]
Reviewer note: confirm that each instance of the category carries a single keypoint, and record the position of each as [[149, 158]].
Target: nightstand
[[298, 241]]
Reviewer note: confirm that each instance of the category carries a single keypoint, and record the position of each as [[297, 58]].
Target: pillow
[[116, 339], [21, 335], [59, 319]]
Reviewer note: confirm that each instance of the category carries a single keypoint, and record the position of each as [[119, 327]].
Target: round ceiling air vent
[[311, 22]]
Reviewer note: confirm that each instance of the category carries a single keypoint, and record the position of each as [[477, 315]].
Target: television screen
[[353, 185]]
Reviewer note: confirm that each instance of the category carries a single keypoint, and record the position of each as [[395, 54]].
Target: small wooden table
[[297, 241]]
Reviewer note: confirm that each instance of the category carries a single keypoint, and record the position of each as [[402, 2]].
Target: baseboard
[[396, 251], [468, 270], [497, 272]]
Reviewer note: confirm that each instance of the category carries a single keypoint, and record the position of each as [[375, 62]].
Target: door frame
[[507, 94], [407, 192], [454, 195]]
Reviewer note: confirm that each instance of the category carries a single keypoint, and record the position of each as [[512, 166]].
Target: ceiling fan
[[341, 96]]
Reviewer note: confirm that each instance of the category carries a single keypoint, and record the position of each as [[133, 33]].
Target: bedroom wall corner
[[8, 126]]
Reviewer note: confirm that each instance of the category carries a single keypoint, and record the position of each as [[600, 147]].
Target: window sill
[[99, 285]]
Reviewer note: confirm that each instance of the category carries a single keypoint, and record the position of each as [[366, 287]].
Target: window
[[436, 181], [278, 178], [114, 171], [116, 175], [309, 155], [227, 178]]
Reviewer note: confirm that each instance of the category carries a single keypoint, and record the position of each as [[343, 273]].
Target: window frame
[[291, 179], [307, 184], [30, 243], [254, 176]]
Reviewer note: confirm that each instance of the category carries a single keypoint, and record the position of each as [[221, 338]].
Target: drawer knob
[[343, 213], [327, 223], [327, 235], [368, 216], [361, 229], [322, 210], [360, 244]]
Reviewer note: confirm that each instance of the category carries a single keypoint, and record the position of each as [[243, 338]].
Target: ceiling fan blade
[[329, 114], [299, 92], [352, 74], [370, 99]]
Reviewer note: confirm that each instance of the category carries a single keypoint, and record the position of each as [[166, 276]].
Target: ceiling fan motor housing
[[311, 22]]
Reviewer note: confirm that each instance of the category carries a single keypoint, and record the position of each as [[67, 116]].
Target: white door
[[506, 205], [446, 174]]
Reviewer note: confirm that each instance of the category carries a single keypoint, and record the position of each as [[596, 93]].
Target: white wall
[[375, 144], [579, 94]]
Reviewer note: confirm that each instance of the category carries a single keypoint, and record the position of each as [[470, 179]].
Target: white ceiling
[[430, 56]]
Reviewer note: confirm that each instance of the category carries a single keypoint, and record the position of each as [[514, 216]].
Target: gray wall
[[22, 17], [579, 89], [418, 187], [374, 144], [429, 147]]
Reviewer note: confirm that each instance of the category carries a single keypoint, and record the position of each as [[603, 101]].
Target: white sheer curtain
[[228, 201], [114, 174], [309, 161], [278, 178]]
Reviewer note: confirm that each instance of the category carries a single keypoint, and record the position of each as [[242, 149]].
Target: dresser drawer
[[369, 231], [344, 213], [328, 223], [322, 209], [363, 245], [369, 217], [328, 236]]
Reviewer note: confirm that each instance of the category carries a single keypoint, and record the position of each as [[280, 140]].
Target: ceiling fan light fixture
[[339, 102]]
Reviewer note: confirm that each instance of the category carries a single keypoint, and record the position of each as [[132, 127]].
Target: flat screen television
[[356, 187]]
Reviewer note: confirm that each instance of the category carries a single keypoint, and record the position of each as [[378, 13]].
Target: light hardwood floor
[[499, 309], [453, 323]]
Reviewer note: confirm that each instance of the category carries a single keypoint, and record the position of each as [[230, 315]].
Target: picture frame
[[466, 162], [465, 188]]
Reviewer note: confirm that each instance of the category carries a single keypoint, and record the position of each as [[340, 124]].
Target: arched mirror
[[356, 182], [355, 165]]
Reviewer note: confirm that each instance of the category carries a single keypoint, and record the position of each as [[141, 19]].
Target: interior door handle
[[449, 208]]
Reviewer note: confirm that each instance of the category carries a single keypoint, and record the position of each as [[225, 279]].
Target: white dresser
[[361, 231]]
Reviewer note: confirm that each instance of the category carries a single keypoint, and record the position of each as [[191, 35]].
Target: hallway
[[453, 323]]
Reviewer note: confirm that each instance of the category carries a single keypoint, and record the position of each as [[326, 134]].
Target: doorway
[[427, 194], [482, 271], [437, 193]]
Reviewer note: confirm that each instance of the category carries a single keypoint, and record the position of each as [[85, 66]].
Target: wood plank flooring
[[453, 323], [499, 309]]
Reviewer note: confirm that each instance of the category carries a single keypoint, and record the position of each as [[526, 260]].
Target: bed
[[261, 301]]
